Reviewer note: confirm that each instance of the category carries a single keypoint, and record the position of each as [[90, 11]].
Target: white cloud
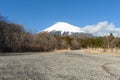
[[102, 29]]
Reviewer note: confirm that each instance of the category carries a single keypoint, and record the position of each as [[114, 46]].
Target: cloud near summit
[[102, 29]]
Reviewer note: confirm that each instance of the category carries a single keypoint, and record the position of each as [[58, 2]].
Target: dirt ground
[[60, 65]]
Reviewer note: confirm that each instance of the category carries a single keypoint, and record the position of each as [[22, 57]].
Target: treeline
[[13, 38]]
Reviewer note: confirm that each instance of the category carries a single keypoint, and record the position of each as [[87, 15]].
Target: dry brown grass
[[102, 51]]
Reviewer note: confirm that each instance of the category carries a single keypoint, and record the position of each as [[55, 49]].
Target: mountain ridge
[[63, 28]]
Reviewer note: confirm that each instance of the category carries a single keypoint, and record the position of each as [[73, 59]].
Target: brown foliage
[[13, 38]]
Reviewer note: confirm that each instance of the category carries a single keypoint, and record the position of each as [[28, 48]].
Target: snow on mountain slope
[[64, 27], [100, 29]]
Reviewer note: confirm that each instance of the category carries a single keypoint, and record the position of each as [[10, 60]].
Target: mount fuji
[[63, 28], [100, 29], [66, 29]]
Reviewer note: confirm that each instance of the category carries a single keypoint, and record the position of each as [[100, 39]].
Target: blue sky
[[37, 15]]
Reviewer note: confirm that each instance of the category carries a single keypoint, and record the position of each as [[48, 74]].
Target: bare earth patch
[[60, 65]]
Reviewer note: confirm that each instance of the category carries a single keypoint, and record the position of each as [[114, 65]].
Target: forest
[[14, 38]]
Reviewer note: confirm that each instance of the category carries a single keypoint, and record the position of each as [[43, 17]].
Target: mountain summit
[[63, 28]]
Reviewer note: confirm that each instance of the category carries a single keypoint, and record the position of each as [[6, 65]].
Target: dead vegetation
[[102, 50], [14, 38]]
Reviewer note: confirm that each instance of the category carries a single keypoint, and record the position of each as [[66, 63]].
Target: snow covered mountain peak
[[64, 27]]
